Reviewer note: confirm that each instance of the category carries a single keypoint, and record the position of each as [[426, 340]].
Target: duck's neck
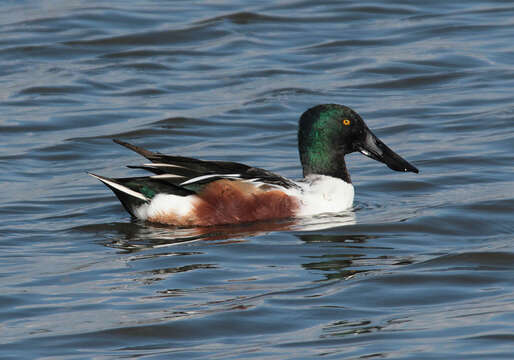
[[324, 163]]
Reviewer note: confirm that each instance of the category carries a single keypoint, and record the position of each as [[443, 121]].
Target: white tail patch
[[120, 187], [166, 206]]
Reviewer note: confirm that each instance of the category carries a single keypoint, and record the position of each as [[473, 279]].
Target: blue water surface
[[420, 268]]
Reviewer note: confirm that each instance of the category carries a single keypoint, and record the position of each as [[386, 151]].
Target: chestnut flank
[[231, 202]]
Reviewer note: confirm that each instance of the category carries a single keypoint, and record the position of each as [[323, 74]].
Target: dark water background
[[423, 268]]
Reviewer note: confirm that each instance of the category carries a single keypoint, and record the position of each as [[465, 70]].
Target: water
[[420, 269]]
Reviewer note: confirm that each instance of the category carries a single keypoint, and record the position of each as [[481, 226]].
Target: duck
[[187, 192]]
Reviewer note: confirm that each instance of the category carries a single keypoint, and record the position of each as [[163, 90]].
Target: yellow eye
[[346, 122]]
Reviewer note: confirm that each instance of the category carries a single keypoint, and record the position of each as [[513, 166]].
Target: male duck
[[187, 192]]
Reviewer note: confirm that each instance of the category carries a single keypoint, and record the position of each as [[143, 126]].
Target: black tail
[[129, 198], [150, 155]]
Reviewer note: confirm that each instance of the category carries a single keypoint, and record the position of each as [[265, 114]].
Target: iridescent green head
[[328, 132]]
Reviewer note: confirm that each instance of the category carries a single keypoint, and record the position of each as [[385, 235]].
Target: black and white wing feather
[[189, 172]]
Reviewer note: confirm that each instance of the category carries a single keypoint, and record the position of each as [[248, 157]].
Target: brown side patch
[[229, 202]]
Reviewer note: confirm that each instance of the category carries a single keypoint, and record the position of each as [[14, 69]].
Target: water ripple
[[420, 267]]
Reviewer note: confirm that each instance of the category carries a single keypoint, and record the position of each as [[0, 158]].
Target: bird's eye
[[346, 122]]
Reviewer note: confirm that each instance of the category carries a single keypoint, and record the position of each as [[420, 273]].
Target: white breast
[[323, 194]]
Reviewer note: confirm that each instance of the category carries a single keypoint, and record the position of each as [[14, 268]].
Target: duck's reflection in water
[[138, 236]]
